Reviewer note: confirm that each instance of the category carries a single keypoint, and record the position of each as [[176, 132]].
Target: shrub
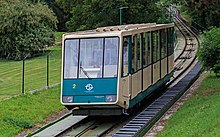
[[25, 28], [18, 122], [209, 54]]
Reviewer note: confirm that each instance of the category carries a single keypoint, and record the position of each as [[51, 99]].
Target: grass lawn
[[35, 73], [17, 114], [22, 112], [200, 115], [58, 36]]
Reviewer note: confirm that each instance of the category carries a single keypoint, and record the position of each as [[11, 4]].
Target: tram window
[[148, 48], [125, 56], [144, 50], [161, 44], [165, 42], [172, 41], [138, 45], [162, 38], [154, 45], [134, 54], [91, 57], [71, 58], [111, 57], [158, 46], [168, 42]]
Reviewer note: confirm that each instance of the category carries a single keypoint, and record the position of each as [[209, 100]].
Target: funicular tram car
[[109, 70]]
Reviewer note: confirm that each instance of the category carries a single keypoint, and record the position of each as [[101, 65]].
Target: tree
[[204, 13], [25, 28], [89, 14], [209, 54], [143, 11]]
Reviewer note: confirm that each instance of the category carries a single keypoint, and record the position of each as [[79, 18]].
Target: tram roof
[[114, 30]]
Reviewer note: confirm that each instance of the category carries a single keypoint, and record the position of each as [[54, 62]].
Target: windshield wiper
[[81, 68]]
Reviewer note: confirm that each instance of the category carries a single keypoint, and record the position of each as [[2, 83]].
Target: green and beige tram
[[109, 70]]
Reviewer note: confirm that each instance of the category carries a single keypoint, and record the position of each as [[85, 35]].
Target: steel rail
[[194, 58]]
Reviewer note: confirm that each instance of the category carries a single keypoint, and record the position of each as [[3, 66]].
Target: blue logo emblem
[[89, 87]]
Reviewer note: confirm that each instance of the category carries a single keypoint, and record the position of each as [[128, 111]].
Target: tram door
[[136, 65], [126, 69], [155, 56]]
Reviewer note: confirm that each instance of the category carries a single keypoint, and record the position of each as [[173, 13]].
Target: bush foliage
[[17, 122], [209, 54], [25, 28]]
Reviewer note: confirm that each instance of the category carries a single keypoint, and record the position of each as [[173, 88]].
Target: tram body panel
[[156, 72], [86, 91], [147, 76], [171, 63], [124, 91], [136, 83], [90, 70], [163, 67]]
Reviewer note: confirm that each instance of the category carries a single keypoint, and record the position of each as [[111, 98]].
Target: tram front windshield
[[91, 58]]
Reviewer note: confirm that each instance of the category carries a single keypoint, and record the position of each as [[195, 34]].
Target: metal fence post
[[48, 57], [23, 69], [23, 63]]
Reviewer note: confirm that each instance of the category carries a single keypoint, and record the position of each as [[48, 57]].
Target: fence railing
[[19, 77]]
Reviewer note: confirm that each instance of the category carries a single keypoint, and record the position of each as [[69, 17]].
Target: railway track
[[186, 71], [94, 126], [190, 49]]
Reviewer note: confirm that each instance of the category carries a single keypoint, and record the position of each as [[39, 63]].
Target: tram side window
[[163, 43], [172, 40], [158, 46], [154, 45], [136, 53], [125, 56], [148, 48], [144, 50], [168, 41], [138, 45], [71, 58]]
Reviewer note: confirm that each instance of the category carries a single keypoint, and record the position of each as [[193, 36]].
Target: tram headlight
[[67, 99], [110, 98]]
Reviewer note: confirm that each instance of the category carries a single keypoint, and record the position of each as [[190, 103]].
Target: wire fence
[[19, 77]]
